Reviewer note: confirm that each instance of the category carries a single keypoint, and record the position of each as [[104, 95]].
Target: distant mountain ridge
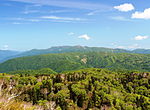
[[4, 54], [7, 54], [141, 51], [66, 49]]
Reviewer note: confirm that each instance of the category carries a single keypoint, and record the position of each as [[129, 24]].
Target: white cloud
[[62, 18], [91, 13], [132, 46], [71, 33], [94, 12], [140, 37], [46, 18], [30, 11], [125, 7], [121, 47], [25, 19], [119, 18], [142, 15], [113, 43], [59, 11], [84, 36], [16, 23], [5, 47], [68, 4]]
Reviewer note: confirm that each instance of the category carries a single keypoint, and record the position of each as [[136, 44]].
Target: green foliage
[[42, 71], [83, 89], [73, 61]]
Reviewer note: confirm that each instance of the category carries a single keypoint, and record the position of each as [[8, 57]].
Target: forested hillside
[[87, 89], [63, 49], [6, 55], [73, 61]]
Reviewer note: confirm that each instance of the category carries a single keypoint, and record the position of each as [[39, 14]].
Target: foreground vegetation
[[78, 90]]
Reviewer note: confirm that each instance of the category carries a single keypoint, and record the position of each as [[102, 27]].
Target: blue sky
[[28, 24]]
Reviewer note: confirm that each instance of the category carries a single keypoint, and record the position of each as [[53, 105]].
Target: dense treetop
[[79, 90]]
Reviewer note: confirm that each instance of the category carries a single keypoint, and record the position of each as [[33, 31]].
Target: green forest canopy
[[83, 89], [74, 61]]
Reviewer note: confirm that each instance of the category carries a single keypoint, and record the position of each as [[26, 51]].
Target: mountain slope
[[141, 51], [64, 49], [4, 54], [68, 49], [73, 61]]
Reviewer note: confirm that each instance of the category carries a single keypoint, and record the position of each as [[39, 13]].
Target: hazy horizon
[[69, 46]]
